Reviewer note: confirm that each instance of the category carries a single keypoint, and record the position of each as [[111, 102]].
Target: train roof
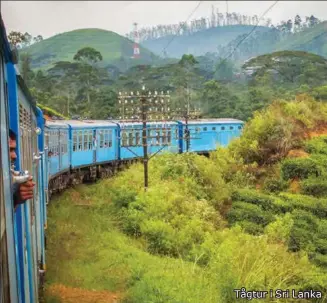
[[214, 121], [89, 123], [130, 123], [56, 123]]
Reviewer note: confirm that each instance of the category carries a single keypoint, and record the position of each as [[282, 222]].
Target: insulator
[[156, 101], [131, 93], [119, 93], [125, 101]]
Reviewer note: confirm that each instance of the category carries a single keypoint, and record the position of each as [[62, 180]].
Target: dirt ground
[[77, 295]]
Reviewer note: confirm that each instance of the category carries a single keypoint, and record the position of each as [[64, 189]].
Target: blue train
[[62, 153]]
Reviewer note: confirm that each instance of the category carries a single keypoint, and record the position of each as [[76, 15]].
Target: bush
[[242, 211], [254, 197], [317, 207], [251, 228], [299, 168], [303, 234], [317, 145], [273, 185], [314, 186]]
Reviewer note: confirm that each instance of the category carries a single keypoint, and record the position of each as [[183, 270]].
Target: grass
[[88, 250]]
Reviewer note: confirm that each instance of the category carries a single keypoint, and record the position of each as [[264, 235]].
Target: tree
[[88, 55], [290, 65], [297, 23], [15, 38], [88, 75], [224, 70]]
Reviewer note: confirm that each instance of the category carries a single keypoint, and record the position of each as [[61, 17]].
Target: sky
[[49, 18]]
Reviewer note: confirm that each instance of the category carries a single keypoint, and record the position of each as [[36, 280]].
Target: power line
[[239, 43], [200, 2]]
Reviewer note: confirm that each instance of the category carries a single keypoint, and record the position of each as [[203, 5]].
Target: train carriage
[[160, 137], [206, 134], [9, 274]]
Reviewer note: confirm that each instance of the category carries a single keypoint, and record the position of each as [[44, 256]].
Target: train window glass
[[107, 139], [223, 128], [124, 136], [176, 133], [80, 140], [158, 137], [130, 138], [74, 140], [101, 137], [239, 127], [90, 139], [231, 127], [164, 136], [137, 138], [85, 140], [110, 138], [213, 128], [169, 137], [204, 128], [197, 129]]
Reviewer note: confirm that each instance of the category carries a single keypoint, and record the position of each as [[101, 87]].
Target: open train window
[[101, 138], [204, 128], [197, 129], [164, 136], [213, 128], [169, 137], [223, 128], [158, 137], [239, 127], [85, 140], [231, 127], [176, 133]]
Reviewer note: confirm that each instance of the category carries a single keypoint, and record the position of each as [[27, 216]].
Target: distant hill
[[200, 42], [312, 40], [114, 48]]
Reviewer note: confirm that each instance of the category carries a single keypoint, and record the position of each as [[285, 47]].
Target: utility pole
[[145, 107]]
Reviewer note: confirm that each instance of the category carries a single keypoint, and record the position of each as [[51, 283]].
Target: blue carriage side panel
[[11, 231], [19, 213]]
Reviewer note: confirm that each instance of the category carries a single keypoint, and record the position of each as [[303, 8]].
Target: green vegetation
[[63, 47], [203, 228]]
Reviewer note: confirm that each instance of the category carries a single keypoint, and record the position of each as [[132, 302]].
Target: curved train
[[62, 153]]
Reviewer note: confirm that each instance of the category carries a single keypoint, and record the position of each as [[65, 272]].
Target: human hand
[[25, 190]]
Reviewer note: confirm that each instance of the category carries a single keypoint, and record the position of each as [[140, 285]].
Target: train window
[[137, 138], [101, 138], [80, 140], [231, 127], [90, 139], [158, 137], [124, 138], [204, 128], [223, 128], [74, 141], [85, 140], [239, 127], [176, 133], [110, 138], [130, 138], [169, 137], [213, 128], [164, 136], [197, 129]]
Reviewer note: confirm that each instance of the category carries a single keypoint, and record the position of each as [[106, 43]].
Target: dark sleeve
[[15, 193]]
